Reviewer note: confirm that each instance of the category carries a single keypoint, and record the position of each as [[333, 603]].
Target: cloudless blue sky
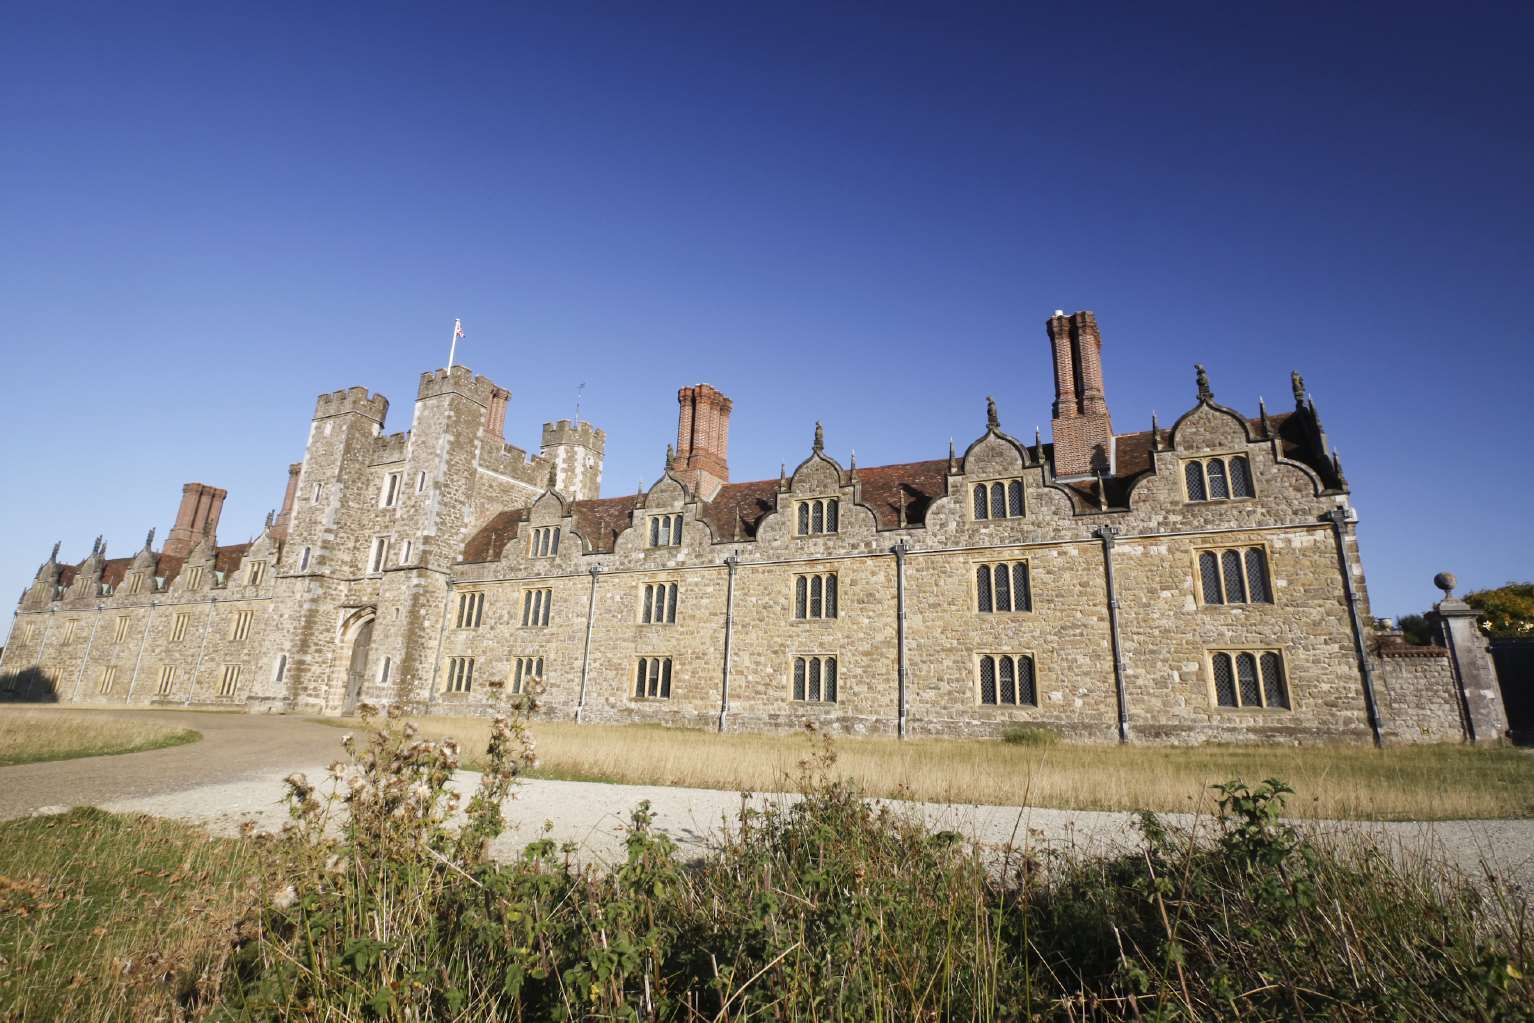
[[859, 215]]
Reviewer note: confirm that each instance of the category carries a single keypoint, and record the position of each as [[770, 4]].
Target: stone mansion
[[1195, 582]]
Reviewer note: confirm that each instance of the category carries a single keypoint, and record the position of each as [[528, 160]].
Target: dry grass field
[[27, 736], [1439, 782]]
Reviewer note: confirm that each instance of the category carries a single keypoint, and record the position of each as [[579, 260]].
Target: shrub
[[828, 906], [1029, 735]]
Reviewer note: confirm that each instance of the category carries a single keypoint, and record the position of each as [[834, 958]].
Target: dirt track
[[235, 774]]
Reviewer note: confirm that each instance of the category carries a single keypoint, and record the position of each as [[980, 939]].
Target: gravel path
[[235, 775]]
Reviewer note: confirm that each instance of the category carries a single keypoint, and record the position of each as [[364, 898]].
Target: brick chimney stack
[[280, 523], [1082, 428], [495, 415], [200, 508], [703, 439]]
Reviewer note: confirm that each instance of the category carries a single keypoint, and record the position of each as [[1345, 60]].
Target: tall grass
[[1424, 782], [28, 736], [112, 917], [829, 907]]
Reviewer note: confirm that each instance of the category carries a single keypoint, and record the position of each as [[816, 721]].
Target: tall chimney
[[280, 523], [200, 508], [1082, 428], [703, 439], [495, 414]]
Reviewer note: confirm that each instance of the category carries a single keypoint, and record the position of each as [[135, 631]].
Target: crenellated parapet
[[510, 460], [390, 448], [458, 380], [352, 400]]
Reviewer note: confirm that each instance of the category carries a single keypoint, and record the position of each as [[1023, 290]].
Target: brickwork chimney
[[703, 439], [280, 523], [495, 414], [200, 508], [1082, 428]]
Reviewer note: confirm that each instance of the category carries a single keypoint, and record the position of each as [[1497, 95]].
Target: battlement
[[390, 448], [510, 460], [353, 399], [578, 431], [460, 380]]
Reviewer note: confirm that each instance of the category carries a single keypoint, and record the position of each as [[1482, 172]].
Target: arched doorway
[[359, 634]]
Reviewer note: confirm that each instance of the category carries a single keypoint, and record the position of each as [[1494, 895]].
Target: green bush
[[829, 907], [1029, 735]]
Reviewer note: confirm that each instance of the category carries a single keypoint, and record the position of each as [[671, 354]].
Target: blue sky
[[211, 215]]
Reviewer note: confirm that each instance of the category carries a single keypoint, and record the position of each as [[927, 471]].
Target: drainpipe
[[207, 627], [139, 657], [1338, 518], [732, 563], [42, 647], [900, 550], [1107, 535], [80, 675], [436, 661], [591, 613]]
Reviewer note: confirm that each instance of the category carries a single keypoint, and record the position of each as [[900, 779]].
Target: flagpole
[[453, 350]]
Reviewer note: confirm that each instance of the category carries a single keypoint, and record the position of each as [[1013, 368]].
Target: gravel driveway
[[235, 774]]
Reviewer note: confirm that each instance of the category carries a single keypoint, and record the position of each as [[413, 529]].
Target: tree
[[1417, 629], [1507, 612]]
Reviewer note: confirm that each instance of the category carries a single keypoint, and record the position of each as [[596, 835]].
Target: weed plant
[[383, 904]]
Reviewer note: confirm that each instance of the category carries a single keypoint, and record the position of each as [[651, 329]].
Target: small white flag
[[458, 328]]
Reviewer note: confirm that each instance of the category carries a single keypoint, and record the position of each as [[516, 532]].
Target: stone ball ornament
[[1445, 581]]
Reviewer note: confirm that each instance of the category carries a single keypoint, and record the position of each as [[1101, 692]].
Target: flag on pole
[[453, 348]]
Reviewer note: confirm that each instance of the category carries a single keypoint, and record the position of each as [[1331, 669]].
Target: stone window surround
[[664, 530], [543, 541], [471, 609], [829, 506], [535, 609], [230, 682], [831, 598], [1217, 549], [992, 562], [1256, 651], [1203, 459], [107, 679], [388, 494], [970, 483], [1032, 657], [378, 554], [828, 679], [524, 668], [460, 674], [239, 627], [660, 675], [670, 593], [178, 624]]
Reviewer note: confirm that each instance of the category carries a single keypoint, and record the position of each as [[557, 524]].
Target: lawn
[[1423, 782], [115, 917], [28, 736]]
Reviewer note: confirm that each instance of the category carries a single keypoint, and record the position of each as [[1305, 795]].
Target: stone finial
[[149, 538], [782, 476], [1155, 432], [1342, 480], [953, 459], [271, 516], [992, 421], [820, 438], [1202, 376], [554, 475], [852, 465], [1038, 444], [670, 456], [98, 546], [1445, 581], [1267, 423], [53, 559], [1297, 384]]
